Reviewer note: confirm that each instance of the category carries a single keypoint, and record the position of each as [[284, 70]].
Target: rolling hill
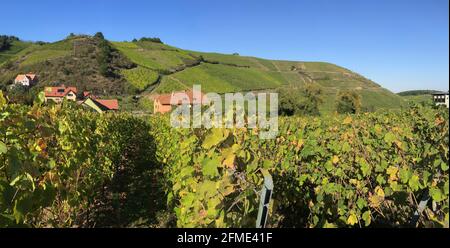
[[147, 67]]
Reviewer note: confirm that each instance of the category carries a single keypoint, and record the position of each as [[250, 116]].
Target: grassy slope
[[240, 73], [180, 69], [16, 47], [154, 55]]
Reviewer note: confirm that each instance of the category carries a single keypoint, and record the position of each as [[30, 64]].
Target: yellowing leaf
[[229, 155], [392, 172], [335, 159], [375, 201], [354, 181], [378, 129], [229, 161], [347, 120], [216, 136], [379, 191], [439, 121], [398, 144], [352, 219]]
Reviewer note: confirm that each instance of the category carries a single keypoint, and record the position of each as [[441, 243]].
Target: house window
[[61, 90], [439, 99]]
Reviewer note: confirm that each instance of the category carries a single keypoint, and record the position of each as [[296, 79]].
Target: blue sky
[[401, 44]]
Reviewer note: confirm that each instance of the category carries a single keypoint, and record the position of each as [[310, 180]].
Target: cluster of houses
[[59, 93], [161, 103]]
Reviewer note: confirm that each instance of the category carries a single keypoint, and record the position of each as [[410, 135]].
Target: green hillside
[[15, 48], [147, 67]]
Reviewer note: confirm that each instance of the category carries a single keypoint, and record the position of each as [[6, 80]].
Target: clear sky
[[401, 44]]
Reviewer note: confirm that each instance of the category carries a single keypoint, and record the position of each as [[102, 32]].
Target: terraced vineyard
[[63, 167]]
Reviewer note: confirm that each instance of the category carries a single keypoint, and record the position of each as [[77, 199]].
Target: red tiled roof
[[165, 98], [20, 77], [31, 76], [112, 104], [59, 91]]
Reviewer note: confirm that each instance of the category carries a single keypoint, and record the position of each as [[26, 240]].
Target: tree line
[[6, 41], [306, 101]]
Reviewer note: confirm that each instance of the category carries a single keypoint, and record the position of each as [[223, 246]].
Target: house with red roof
[[58, 94], [101, 105], [27, 80], [162, 103]]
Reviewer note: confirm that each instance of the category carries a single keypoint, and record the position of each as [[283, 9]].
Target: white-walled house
[[27, 80], [58, 94], [441, 98]]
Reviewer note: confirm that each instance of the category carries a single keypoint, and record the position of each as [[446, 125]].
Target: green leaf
[[361, 203], [40, 99], [346, 147], [209, 167], [380, 179], [216, 136], [404, 174], [446, 188], [365, 167], [367, 217], [267, 164], [414, 182], [389, 137], [3, 148], [426, 177], [188, 199], [436, 194], [207, 188], [329, 165], [21, 208]]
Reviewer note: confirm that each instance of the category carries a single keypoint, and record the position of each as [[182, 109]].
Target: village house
[[161, 103], [58, 94], [27, 80], [441, 98], [100, 105]]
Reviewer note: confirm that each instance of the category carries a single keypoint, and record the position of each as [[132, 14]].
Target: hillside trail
[[259, 64]]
